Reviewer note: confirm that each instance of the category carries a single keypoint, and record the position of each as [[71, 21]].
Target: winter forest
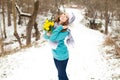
[[26, 55]]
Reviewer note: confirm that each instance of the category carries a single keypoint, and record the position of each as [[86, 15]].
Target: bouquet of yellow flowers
[[48, 25]]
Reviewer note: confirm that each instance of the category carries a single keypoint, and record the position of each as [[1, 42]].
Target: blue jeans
[[61, 68]]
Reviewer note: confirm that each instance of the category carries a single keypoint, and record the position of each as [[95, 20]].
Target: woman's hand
[[48, 33], [65, 27]]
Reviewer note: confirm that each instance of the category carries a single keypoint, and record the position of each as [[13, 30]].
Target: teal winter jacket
[[58, 37]]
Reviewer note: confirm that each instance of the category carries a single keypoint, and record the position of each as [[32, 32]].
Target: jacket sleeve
[[55, 34]]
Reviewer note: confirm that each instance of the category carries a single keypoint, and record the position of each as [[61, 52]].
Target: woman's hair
[[58, 20]]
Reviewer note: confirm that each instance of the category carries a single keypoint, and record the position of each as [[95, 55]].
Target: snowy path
[[85, 63], [86, 60]]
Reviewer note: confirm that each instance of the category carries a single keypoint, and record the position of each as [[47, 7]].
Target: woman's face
[[63, 18]]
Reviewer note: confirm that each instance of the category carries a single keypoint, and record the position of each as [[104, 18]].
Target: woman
[[59, 49]]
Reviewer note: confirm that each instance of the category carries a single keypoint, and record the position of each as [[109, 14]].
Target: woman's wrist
[[65, 27], [48, 33]]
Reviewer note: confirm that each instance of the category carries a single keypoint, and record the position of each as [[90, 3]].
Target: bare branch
[[22, 13]]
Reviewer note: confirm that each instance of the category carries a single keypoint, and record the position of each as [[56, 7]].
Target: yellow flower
[[46, 21], [47, 28], [52, 23], [48, 25]]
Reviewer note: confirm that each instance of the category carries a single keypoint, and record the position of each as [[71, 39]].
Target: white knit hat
[[71, 17]]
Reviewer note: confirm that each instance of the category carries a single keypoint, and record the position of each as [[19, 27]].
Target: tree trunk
[[31, 23], [37, 33], [15, 26], [1, 41], [19, 20], [4, 27], [1, 46], [106, 23], [1, 34], [119, 16], [106, 17], [9, 12]]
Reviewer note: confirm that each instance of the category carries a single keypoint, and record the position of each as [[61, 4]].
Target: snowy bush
[[112, 46]]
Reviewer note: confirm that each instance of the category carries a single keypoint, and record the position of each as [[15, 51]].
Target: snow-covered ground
[[36, 63]]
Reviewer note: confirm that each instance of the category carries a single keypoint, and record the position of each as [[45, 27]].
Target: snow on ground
[[36, 63], [21, 29]]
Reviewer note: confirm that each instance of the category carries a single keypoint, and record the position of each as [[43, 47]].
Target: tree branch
[[22, 13]]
